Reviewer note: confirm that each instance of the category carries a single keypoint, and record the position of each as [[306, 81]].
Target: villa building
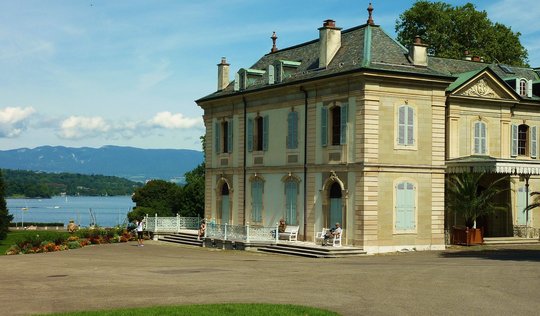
[[354, 128]]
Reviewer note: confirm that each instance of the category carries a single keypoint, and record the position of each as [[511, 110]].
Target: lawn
[[13, 236], [211, 310]]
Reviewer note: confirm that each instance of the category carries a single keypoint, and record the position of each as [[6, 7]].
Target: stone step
[[509, 241], [182, 238], [313, 251]]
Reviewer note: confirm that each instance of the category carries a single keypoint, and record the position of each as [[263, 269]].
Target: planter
[[467, 236]]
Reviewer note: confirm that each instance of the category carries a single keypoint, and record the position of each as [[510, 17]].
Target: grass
[[12, 237], [211, 310]]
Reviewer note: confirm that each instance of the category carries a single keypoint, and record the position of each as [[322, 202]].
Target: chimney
[[223, 74], [418, 52], [329, 42], [274, 38], [467, 55]]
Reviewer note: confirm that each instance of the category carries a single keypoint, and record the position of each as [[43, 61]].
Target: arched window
[[523, 87], [480, 139]]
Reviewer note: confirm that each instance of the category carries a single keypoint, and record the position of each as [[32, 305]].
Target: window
[[292, 130], [405, 207], [479, 138], [223, 139], [524, 141], [336, 124], [523, 87], [405, 126], [291, 195], [257, 133], [256, 199]]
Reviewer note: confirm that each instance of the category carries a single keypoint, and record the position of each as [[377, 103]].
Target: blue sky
[[126, 72]]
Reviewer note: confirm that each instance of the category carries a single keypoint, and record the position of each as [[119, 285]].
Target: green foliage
[[212, 309], [192, 199], [37, 224], [157, 196], [40, 184], [5, 217], [450, 31], [466, 197]]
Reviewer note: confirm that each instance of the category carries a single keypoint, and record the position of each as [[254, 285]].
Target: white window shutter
[[271, 74], [529, 88], [514, 141], [401, 125], [410, 125], [534, 144], [237, 82]]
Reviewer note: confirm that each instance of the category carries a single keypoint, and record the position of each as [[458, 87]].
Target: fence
[[170, 224], [245, 233]]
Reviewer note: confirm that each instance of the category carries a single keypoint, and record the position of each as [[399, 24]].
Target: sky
[[90, 73]]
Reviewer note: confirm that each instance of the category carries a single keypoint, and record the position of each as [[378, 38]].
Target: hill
[[34, 184], [135, 164]]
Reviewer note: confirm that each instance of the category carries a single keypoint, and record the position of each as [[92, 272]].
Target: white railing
[[170, 224], [245, 233]]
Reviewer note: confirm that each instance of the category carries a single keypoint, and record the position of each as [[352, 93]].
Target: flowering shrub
[[44, 241]]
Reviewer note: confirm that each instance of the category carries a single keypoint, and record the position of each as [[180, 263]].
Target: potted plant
[[468, 200]]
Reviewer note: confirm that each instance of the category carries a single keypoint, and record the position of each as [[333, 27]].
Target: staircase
[[182, 238], [311, 250], [509, 241]]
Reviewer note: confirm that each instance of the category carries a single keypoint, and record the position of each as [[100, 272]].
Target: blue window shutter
[[250, 135], [401, 125], [289, 130], [344, 119], [256, 200], [520, 205], [533, 142], [290, 196], [410, 126], [324, 126], [405, 206], [514, 151], [217, 139], [230, 137], [265, 132], [295, 131]]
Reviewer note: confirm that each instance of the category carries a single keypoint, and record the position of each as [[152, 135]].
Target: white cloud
[[77, 127], [169, 120], [13, 120]]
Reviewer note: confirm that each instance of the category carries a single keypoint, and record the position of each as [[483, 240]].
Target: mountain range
[[127, 162]]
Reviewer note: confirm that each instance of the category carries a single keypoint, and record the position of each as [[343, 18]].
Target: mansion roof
[[364, 48]]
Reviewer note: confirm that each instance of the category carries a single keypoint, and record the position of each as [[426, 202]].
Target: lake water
[[107, 210]]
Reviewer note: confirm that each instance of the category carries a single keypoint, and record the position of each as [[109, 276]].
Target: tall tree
[[450, 31], [5, 217], [155, 197]]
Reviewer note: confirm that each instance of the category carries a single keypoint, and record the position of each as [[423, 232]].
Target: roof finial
[[274, 38], [370, 18]]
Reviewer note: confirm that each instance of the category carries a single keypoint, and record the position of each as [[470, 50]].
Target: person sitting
[[202, 228], [282, 225], [332, 233]]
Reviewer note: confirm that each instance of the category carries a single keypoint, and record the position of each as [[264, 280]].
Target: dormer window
[[246, 78], [285, 69], [523, 87]]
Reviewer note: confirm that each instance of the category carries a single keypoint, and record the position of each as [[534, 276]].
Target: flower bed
[[43, 241]]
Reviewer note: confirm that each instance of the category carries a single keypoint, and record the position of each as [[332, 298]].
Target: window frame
[[480, 138], [408, 127]]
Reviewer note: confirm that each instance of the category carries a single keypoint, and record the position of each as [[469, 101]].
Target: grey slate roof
[[384, 54]]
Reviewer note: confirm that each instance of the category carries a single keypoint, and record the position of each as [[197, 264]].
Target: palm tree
[[467, 198], [535, 203]]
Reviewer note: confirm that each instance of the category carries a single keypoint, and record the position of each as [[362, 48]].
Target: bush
[[73, 244]]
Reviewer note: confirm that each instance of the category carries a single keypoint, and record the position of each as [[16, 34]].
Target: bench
[[335, 240], [290, 233]]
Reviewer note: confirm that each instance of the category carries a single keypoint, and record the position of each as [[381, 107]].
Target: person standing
[[140, 232]]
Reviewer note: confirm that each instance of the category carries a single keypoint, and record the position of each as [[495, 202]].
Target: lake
[[108, 210]]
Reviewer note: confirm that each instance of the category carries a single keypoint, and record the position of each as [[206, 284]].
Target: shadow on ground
[[532, 255]]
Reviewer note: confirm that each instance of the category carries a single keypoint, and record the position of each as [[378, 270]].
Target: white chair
[[319, 236]]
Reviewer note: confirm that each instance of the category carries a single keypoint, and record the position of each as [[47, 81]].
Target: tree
[[466, 197], [5, 217], [450, 31], [192, 199], [155, 197]]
